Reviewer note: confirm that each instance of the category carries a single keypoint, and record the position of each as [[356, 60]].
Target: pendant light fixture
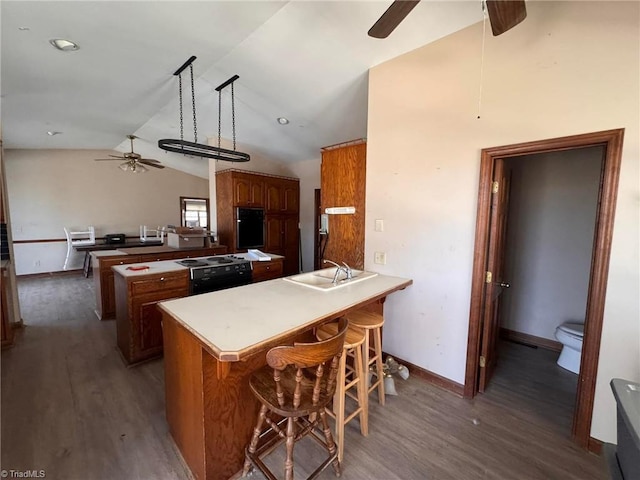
[[200, 149]]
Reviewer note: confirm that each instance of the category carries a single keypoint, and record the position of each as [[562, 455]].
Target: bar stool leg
[[362, 391], [339, 404], [377, 343]]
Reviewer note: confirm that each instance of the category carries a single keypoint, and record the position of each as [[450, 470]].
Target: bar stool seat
[[372, 323], [294, 389], [349, 376]]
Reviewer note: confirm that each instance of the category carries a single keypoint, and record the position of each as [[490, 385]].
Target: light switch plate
[[380, 258], [379, 225]]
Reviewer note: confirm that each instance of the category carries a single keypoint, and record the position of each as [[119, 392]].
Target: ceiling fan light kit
[[133, 162], [201, 149]]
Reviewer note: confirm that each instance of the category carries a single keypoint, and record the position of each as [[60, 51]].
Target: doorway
[[487, 279]]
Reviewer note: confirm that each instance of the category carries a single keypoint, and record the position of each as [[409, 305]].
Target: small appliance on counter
[[112, 238]]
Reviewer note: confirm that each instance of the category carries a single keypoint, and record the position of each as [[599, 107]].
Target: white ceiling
[[303, 60]]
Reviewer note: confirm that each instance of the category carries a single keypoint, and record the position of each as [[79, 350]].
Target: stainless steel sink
[[323, 279]]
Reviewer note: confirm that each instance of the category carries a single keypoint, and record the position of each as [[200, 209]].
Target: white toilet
[[570, 334]]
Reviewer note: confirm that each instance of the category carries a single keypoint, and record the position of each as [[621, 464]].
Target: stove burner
[[192, 263], [219, 260]]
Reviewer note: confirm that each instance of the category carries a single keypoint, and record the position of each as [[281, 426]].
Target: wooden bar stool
[[294, 389], [349, 376], [371, 323]]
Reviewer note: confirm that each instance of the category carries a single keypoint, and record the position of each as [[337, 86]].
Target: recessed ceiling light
[[64, 45], [52, 133], [283, 121], [23, 29]]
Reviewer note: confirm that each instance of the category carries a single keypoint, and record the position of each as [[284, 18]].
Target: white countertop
[[162, 266], [235, 322], [106, 253]]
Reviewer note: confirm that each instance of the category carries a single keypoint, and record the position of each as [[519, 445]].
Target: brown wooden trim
[[431, 377], [595, 446], [357, 141], [531, 340], [270, 175], [55, 240], [41, 240], [52, 274], [612, 142]]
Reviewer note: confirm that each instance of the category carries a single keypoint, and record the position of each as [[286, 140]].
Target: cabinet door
[[290, 194], [273, 196], [150, 326], [242, 191], [248, 191], [275, 240]]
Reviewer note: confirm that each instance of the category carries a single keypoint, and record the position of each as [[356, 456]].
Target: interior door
[[494, 275]]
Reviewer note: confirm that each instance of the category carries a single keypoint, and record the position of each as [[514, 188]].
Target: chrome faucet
[[340, 268]]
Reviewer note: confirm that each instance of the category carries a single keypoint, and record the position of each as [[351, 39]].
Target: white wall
[[569, 68], [552, 215], [51, 189], [309, 174]]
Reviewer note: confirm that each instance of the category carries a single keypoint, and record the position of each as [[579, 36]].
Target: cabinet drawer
[[266, 270], [160, 283]]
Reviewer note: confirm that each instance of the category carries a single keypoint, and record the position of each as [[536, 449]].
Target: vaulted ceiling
[[303, 60]]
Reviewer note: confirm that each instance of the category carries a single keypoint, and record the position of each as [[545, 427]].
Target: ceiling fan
[[133, 162], [503, 15]]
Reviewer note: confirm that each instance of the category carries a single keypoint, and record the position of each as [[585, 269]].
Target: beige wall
[[51, 189], [570, 68]]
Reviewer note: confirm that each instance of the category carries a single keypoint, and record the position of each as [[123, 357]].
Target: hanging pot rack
[[194, 148]]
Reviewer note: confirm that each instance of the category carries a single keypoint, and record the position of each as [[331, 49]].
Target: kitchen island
[[212, 344]]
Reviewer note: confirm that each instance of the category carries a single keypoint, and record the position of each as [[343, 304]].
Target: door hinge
[[483, 361], [488, 276], [494, 187]]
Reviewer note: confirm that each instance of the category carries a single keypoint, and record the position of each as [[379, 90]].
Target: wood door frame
[[611, 140]]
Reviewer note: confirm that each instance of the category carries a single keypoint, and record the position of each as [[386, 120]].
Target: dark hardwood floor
[[71, 408]]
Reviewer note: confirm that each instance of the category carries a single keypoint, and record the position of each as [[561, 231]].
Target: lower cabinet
[[267, 270], [138, 319]]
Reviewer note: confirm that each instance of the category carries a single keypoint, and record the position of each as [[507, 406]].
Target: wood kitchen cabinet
[[103, 275], [267, 270], [248, 190], [138, 321], [281, 203]]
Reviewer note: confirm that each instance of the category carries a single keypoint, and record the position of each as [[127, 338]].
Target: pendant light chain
[[233, 117], [193, 104], [181, 117], [219, 116]]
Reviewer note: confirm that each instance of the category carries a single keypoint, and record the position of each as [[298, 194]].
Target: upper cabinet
[[248, 190], [280, 199], [282, 196]]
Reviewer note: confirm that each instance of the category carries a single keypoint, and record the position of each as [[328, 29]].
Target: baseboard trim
[[530, 340], [431, 377], [595, 446], [61, 273]]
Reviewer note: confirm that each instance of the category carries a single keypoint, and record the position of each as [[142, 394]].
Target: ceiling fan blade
[[148, 160], [145, 162], [505, 14], [116, 156], [392, 18], [108, 159]]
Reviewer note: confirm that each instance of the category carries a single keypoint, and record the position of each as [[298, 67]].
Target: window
[[195, 212]]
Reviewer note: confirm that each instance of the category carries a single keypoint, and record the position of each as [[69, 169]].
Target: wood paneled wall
[[343, 176]]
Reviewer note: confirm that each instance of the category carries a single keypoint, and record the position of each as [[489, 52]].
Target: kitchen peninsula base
[[215, 341]]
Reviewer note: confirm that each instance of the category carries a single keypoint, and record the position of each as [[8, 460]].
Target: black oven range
[[217, 273]]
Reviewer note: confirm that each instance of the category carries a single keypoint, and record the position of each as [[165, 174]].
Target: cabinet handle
[[162, 279], [121, 263]]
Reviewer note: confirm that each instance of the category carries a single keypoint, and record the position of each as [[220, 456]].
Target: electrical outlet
[[36, 263], [379, 225], [380, 258]]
